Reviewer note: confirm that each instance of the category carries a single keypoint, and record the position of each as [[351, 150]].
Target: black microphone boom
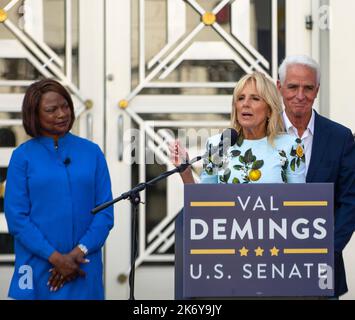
[[228, 138]]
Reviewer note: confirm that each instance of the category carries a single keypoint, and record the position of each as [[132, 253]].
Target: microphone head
[[229, 137]]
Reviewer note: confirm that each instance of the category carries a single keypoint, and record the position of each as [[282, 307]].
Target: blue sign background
[[232, 283]]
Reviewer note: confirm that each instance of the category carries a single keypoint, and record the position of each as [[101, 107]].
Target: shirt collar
[[50, 141], [289, 125]]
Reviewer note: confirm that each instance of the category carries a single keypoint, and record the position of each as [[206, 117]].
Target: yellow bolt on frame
[[209, 18], [3, 15], [123, 104]]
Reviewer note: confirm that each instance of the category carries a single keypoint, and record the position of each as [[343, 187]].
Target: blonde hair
[[268, 92]]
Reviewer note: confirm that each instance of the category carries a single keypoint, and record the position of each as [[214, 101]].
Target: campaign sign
[[255, 240]]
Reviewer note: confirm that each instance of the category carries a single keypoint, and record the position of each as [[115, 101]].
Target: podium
[[255, 240]]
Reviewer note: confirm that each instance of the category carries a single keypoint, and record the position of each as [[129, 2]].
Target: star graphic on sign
[[243, 252], [274, 251], [259, 252]]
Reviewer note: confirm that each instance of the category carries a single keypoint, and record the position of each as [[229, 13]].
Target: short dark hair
[[32, 100]]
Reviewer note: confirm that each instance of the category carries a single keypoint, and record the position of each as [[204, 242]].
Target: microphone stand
[[229, 135], [135, 199]]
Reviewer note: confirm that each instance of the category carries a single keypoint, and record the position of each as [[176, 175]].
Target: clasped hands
[[66, 268]]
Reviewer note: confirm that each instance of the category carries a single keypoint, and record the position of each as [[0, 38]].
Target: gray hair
[[298, 60]]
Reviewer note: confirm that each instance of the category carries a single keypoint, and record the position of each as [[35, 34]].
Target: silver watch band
[[83, 248]]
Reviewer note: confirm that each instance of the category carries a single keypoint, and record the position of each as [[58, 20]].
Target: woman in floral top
[[264, 153]]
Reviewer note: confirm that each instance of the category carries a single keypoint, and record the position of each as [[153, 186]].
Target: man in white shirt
[[329, 149], [307, 137]]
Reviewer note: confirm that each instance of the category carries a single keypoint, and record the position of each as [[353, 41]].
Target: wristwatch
[[83, 249]]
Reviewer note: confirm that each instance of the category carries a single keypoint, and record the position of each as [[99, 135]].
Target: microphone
[[228, 138], [67, 161]]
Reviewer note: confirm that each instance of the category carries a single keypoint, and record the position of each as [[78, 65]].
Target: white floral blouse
[[257, 161]]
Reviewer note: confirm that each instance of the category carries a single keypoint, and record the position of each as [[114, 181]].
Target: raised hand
[[178, 154]]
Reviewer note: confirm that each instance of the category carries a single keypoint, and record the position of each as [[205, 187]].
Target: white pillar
[[342, 64], [298, 38], [118, 86]]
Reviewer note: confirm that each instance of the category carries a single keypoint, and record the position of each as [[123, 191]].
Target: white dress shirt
[[307, 137]]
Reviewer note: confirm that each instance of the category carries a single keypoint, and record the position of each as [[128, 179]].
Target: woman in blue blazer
[[53, 182]]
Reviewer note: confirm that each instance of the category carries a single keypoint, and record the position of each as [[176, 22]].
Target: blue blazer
[[333, 161]]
